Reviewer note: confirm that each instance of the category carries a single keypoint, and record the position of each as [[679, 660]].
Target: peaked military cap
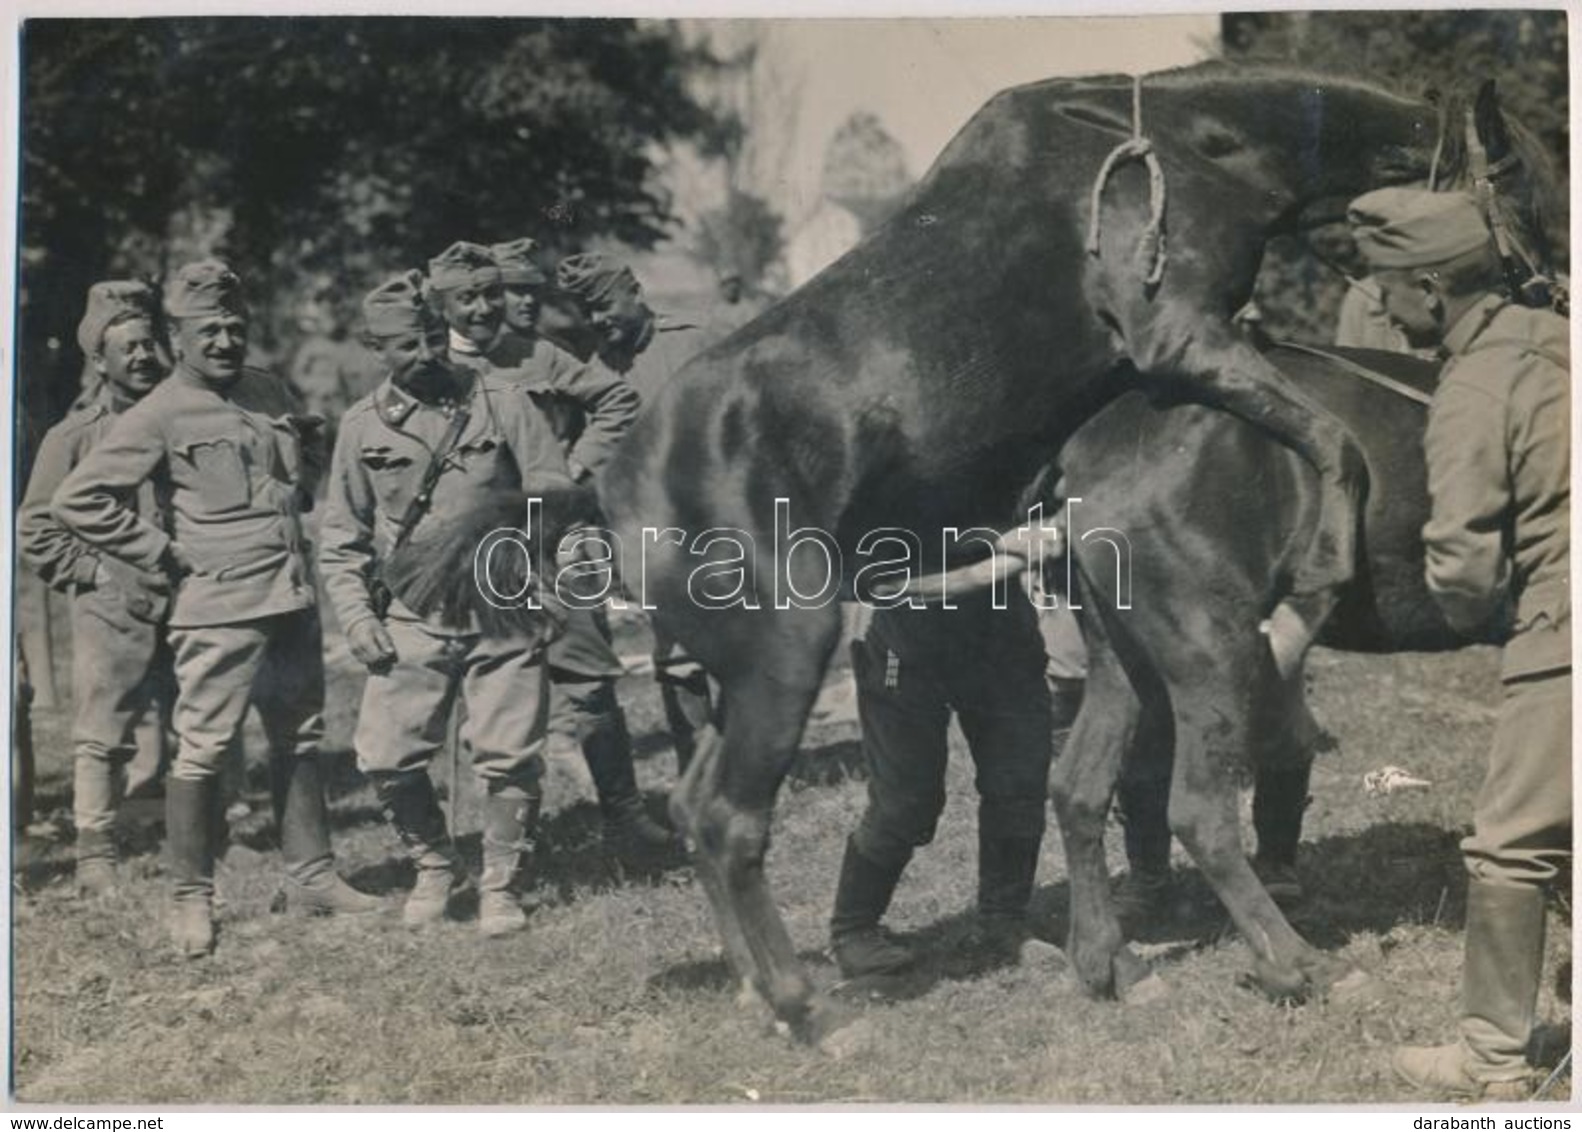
[[517, 265], [108, 301], [204, 289], [396, 306], [591, 276], [463, 264], [1401, 227]]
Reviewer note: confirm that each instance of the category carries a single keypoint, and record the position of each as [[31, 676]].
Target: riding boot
[[1007, 867], [1503, 969], [411, 807], [1145, 891], [1278, 802], [510, 817], [687, 711], [98, 785], [860, 945], [627, 826], [189, 849], [302, 816]]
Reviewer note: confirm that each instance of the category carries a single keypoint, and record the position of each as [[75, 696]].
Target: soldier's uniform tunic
[[122, 676], [385, 445], [230, 466], [1499, 550]]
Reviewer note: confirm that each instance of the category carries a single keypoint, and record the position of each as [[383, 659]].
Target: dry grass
[[617, 993]]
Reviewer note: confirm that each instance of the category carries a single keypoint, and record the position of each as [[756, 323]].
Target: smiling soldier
[[223, 443], [121, 678]]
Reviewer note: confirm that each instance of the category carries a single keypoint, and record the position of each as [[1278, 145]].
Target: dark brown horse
[[918, 384], [1181, 682]]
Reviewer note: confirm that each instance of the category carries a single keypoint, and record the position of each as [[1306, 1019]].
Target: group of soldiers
[[170, 504]]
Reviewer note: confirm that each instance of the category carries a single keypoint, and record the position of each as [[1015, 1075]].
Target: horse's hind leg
[[1082, 783], [729, 795], [1211, 745]]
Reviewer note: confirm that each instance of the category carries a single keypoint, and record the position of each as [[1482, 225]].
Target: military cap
[[396, 306], [204, 289], [108, 301], [517, 265], [1400, 227], [591, 276], [463, 264]]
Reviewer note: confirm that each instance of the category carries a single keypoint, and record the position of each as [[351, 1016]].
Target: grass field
[[617, 993]]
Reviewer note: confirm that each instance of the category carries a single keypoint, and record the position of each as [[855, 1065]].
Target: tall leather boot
[[510, 818], [1145, 891], [1006, 869], [189, 850], [311, 884], [98, 785], [1503, 967], [607, 748], [1278, 802], [412, 809], [687, 711], [860, 945]]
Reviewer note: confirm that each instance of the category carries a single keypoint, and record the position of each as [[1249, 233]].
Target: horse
[[1071, 230], [1181, 687]]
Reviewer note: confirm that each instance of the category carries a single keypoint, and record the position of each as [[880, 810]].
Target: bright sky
[[925, 77]]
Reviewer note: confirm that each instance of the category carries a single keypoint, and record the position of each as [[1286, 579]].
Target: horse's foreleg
[[727, 802], [688, 801], [1082, 783]]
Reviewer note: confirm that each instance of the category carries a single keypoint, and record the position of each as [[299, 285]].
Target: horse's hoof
[[1043, 955], [1290, 988], [1150, 988], [1354, 987], [852, 1037], [1128, 971], [748, 998]]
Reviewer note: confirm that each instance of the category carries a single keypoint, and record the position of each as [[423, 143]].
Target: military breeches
[[1522, 821], [273, 663], [123, 682], [908, 683], [402, 722]]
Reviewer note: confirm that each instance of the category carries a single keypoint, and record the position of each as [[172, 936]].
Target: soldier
[[224, 444], [122, 679], [436, 438], [645, 348], [1498, 563], [588, 408], [913, 669]]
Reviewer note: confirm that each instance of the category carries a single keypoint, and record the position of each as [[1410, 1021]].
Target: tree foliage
[[317, 154]]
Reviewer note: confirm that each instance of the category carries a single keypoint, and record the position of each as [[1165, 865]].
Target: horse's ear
[[1489, 121]]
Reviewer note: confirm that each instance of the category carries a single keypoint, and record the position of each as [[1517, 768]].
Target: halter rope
[[1135, 148]]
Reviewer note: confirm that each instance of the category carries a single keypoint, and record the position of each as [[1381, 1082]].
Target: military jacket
[[386, 443], [1499, 463], [64, 561], [674, 343], [589, 407], [233, 468]]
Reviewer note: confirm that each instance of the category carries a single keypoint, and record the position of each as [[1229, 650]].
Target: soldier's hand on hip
[[176, 563], [371, 645]]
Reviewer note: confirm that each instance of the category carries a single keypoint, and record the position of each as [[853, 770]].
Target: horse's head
[[1478, 141]]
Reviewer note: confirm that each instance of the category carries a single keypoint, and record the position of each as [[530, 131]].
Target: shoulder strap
[[418, 507], [1526, 345]]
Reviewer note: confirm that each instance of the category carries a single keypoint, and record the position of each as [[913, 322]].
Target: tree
[[307, 150]]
